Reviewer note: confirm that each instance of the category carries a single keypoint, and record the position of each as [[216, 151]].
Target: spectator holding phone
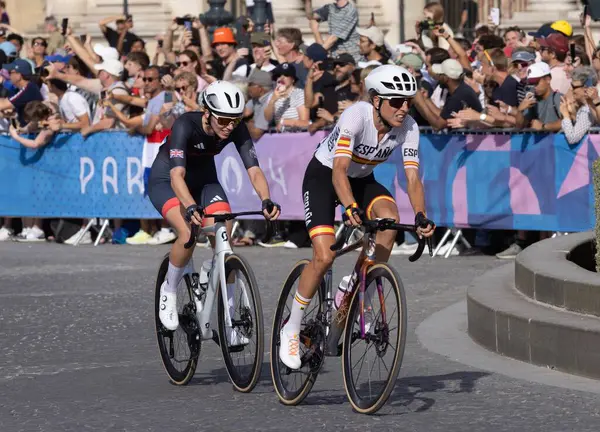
[[183, 99], [40, 121], [540, 110], [224, 43], [109, 73], [261, 52], [285, 106], [433, 16]]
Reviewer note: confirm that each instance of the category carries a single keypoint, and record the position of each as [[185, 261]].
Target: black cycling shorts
[[203, 185], [320, 198]]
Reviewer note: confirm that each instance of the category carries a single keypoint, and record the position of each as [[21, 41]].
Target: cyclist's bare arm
[[415, 190], [180, 187], [259, 182], [341, 182]]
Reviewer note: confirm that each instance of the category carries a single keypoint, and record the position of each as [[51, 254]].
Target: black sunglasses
[[398, 103], [182, 63], [149, 79], [180, 89]]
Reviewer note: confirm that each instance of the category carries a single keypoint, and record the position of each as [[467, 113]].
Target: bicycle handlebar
[[223, 217], [372, 226]]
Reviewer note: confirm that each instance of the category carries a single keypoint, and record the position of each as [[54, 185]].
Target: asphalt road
[[78, 353]]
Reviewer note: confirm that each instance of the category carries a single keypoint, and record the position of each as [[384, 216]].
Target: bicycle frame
[[217, 274], [361, 268], [363, 263]]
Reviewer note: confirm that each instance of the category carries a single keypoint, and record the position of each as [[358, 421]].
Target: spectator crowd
[[471, 77]]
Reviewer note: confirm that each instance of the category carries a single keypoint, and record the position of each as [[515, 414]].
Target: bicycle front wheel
[[179, 349], [292, 386], [242, 344], [371, 363]]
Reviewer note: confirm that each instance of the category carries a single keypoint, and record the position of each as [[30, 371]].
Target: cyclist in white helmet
[[342, 169], [183, 183]]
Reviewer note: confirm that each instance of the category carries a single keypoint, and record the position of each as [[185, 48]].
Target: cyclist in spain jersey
[[342, 171], [183, 183]]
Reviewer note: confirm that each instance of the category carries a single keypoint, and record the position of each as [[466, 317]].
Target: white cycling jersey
[[355, 137]]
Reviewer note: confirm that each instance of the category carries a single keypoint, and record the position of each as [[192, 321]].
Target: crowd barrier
[[519, 181]]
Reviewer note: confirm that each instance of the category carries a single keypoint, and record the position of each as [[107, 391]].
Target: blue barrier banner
[[523, 181]]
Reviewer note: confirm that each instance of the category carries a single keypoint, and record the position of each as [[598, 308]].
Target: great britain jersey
[[355, 137]]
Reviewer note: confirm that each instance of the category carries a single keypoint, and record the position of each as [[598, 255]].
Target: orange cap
[[224, 35]]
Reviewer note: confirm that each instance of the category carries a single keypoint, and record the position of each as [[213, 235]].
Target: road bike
[[374, 331], [243, 320]]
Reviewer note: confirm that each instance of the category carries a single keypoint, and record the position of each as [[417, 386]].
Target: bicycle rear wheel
[[179, 349], [292, 386], [378, 356], [243, 361]]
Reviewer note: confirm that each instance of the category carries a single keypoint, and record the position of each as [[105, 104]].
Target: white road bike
[[240, 325]]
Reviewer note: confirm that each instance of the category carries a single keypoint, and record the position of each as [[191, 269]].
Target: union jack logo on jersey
[[176, 154]]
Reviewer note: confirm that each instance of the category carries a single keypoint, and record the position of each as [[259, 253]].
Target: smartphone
[[160, 43], [168, 97], [65, 24], [188, 25], [321, 102], [495, 15], [103, 95], [403, 49], [573, 54], [82, 38], [180, 20]]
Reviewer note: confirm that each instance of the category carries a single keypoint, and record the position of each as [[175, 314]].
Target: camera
[[426, 25], [182, 20]]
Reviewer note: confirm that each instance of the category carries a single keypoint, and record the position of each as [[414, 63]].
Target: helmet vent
[[230, 101]]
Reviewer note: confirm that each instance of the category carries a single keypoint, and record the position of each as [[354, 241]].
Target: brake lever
[[429, 241]]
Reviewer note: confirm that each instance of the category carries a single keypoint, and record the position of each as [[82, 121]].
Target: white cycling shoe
[[289, 349], [167, 309], [237, 339]]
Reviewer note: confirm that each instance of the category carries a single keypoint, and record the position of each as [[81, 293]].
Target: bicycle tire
[[286, 396], [176, 376], [358, 403], [241, 383]]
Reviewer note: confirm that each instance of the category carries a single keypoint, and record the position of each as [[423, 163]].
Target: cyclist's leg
[[381, 204], [214, 200], [319, 206], [165, 201]]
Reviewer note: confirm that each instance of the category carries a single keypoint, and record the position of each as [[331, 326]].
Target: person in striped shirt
[[342, 170]]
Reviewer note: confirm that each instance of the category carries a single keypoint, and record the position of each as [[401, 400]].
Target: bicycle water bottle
[[346, 285], [205, 274], [203, 283], [341, 292]]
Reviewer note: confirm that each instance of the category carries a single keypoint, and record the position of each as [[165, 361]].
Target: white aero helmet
[[224, 99], [391, 81]]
